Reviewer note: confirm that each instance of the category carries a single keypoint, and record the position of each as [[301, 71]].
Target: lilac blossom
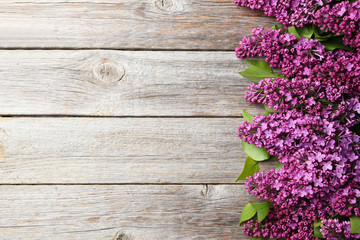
[[319, 172], [336, 229], [341, 18], [317, 99], [289, 13], [333, 73]]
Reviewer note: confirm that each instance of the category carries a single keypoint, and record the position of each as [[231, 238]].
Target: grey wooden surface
[[124, 24], [122, 83], [121, 212], [118, 119], [120, 150]]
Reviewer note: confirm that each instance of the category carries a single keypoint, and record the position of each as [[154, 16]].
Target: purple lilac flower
[[317, 99], [331, 74], [289, 13], [336, 229], [340, 18], [283, 94], [318, 158]]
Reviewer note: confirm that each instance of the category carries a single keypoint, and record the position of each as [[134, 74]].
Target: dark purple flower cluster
[[317, 99], [288, 12], [333, 73], [333, 228], [337, 17], [341, 18], [283, 94], [320, 176], [319, 156]]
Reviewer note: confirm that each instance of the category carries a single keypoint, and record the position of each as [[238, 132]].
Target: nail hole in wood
[[164, 5]]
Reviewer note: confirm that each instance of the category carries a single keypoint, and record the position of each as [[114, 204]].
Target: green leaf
[[279, 165], [262, 209], [334, 43], [258, 70], [317, 226], [324, 37], [260, 64], [269, 110], [247, 213], [307, 31], [321, 35], [277, 27], [292, 30], [317, 223], [248, 117], [250, 167], [266, 113], [355, 224], [317, 233], [258, 154]]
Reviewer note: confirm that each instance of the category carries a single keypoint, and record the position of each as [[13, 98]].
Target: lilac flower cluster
[[283, 94], [288, 12], [334, 73], [319, 155], [333, 228], [320, 176], [317, 99], [340, 18]]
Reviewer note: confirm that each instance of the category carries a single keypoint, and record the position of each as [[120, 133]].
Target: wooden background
[[119, 119]]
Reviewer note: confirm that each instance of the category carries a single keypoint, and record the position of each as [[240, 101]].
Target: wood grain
[[122, 212], [126, 24], [122, 83], [120, 150], [126, 174]]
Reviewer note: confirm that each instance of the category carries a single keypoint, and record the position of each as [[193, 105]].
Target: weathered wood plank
[[122, 83], [122, 212], [124, 24], [120, 150]]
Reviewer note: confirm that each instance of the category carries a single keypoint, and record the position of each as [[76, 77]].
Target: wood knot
[[207, 191], [121, 236], [164, 5], [109, 73]]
